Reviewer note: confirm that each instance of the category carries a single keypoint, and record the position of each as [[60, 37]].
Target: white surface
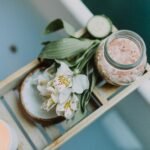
[[78, 10], [74, 11], [144, 90]]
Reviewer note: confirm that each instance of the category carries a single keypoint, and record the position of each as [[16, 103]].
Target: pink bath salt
[[124, 51]]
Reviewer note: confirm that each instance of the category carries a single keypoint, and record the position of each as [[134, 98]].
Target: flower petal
[[51, 71], [74, 106], [43, 91], [64, 69], [50, 89], [61, 82], [54, 98], [68, 114], [48, 104], [64, 95], [60, 109], [80, 83], [75, 98], [40, 80], [74, 103]]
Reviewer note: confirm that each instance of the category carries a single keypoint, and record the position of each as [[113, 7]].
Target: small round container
[[8, 137], [121, 58]]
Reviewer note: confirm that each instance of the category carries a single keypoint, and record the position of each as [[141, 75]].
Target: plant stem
[[88, 55]]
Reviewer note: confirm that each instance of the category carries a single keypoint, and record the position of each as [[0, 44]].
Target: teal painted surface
[[18, 24], [21, 25], [125, 127], [126, 14], [93, 137]]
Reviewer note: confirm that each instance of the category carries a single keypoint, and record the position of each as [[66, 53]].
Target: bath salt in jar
[[8, 137], [121, 58]]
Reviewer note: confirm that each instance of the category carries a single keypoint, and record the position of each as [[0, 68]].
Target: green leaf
[[86, 96], [60, 24], [64, 48], [88, 55], [83, 99], [80, 60]]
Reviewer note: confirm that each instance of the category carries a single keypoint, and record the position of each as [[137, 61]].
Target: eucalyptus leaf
[[86, 96], [83, 99], [88, 55], [93, 81], [60, 24], [64, 48]]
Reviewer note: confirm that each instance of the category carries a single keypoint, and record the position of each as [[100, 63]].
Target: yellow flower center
[[67, 105], [64, 80], [43, 82], [52, 101]]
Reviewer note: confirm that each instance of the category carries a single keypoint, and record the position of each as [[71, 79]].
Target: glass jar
[[121, 58]]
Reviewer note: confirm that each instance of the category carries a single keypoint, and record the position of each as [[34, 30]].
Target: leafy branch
[[76, 52]]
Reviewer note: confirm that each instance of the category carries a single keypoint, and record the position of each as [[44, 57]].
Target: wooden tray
[[35, 136]]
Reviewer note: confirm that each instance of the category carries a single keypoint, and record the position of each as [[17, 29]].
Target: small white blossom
[[41, 82], [42, 85], [50, 102], [62, 81], [68, 108], [65, 78], [60, 90]]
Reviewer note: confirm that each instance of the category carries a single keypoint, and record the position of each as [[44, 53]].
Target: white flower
[[41, 82], [65, 78], [64, 95], [51, 98], [68, 108], [80, 83], [60, 90], [62, 81], [42, 85], [50, 102]]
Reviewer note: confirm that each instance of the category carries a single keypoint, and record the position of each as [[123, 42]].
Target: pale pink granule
[[124, 51], [120, 76]]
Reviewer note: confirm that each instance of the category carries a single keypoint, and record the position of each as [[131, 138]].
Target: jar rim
[[128, 35]]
